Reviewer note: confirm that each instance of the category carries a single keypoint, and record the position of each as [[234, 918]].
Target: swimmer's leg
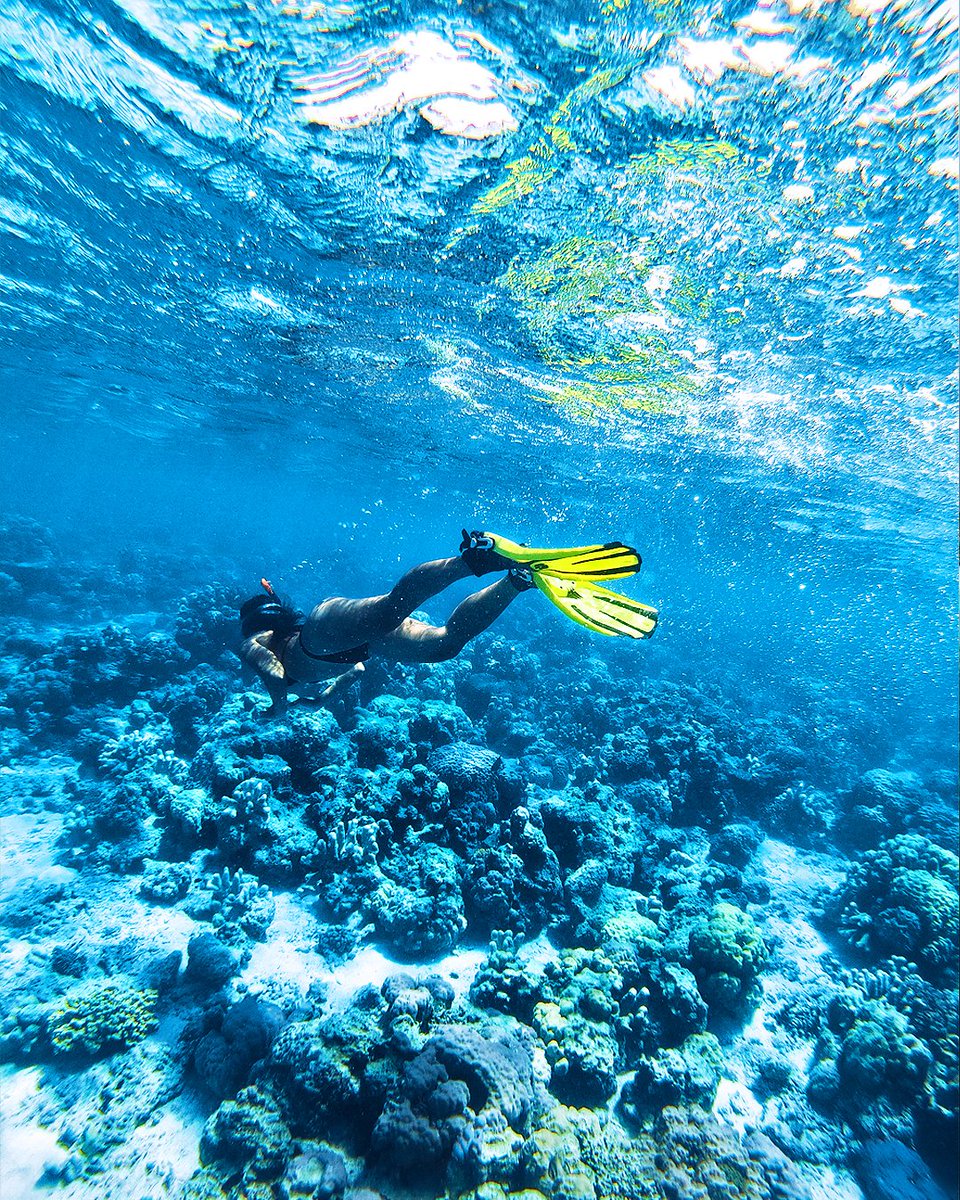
[[340, 624], [413, 641]]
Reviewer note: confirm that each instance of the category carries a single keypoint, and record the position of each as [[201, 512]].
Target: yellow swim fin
[[606, 560], [598, 608]]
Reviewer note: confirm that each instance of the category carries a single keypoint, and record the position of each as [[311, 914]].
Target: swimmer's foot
[[478, 553], [521, 578]]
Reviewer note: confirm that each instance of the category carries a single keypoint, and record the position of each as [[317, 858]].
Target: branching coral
[[240, 900], [503, 982], [242, 819], [930, 1014]]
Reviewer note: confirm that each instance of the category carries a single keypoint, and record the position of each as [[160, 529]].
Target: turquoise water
[[698, 291], [300, 290]]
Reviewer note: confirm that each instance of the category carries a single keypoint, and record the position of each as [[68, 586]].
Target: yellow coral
[[98, 1015], [524, 178], [586, 398]]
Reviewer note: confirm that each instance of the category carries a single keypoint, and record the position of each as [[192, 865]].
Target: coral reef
[[231, 895], [688, 1074], [247, 1137], [331, 1075], [461, 1108], [904, 899], [584, 1023]]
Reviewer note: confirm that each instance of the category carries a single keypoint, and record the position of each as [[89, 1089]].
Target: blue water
[[302, 290]]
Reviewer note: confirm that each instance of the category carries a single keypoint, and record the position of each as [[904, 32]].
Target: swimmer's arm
[[340, 684], [342, 681], [270, 671]]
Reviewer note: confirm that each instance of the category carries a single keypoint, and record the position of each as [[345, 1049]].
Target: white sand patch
[[758, 1029], [766, 58], [795, 878], [793, 268], [160, 1154], [708, 60], [460, 969], [669, 83], [877, 289], [764, 23], [905, 308], [456, 94], [789, 870], [798, 193], [25, 1146], [154, 1161], [945, 168], [288, 955], [464, 118], [736, 1105], [827, 1184], [801, 1057], [369, 966], [26, 850], [800, 942], [167, 928], [16, 952]]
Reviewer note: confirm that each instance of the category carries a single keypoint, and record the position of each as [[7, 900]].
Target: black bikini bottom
[[357, 654]]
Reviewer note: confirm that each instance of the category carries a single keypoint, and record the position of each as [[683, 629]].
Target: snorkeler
[[290, 651]]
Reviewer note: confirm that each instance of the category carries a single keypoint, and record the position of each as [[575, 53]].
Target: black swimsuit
[[357, 654], [346, 657]]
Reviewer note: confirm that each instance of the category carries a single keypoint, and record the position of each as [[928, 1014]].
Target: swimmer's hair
[[261, 613]]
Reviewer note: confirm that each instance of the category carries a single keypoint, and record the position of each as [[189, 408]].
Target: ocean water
[[301, 291]]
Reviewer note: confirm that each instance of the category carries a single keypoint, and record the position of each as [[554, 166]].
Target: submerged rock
[[210, 963]]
